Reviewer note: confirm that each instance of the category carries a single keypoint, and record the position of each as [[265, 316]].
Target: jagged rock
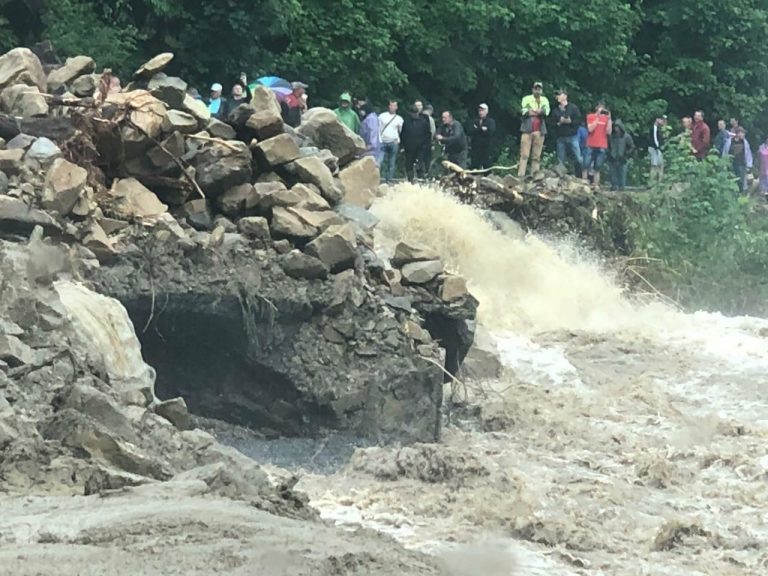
[[153, 66], [225, 223], [269, 177], [335, 247], [219, 129], [360, 216], [360, 181], [308, 198], [179, 121], [98, 242], [112, 225], [175, 411], [320, 219], [3, 183], [135, 200], [147, 112], [406, 253], [85, 85], [454, 288], [254, 227], [14, 352], [264, 100], [25, 101], [483, 361], [72, 68], [20, 142], [11, 161], [21, 66], [324, 129], [300, 195], [173, 144], [325, 155], [313, 171], [198, 109], [17, 217], [64, 183], [292, 223], [43, 151], [98, 405], [296, 264], [265, 124], [277, 150], [219, 168], [198, 214], [240, 200], [421, 272], [170, 89]]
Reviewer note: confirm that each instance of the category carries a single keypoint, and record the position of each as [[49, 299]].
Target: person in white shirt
[[390, 126]]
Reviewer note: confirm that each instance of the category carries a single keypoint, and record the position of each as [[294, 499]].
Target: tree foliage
[[640, 55]]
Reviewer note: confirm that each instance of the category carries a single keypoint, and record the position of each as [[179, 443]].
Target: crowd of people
[[589, 142]]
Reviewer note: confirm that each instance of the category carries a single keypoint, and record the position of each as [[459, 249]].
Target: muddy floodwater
[[622, 438]]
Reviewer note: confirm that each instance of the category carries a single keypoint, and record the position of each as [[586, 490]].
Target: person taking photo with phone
[[599, 126]]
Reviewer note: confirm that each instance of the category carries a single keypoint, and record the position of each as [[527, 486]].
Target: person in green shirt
[[533, 128], [346, 114]]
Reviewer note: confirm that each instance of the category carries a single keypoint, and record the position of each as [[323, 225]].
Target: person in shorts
[[656, 143], [599, 126]]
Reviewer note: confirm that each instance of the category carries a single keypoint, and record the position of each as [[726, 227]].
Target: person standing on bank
[[451, 135], [534, 110], [390, 126], [738, 149], [567, 119], [415, 138], [600, 126], [481, 133], [700, 136], [620, 149], [656, 143]]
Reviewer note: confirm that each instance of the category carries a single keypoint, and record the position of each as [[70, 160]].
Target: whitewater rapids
[[622, 439]]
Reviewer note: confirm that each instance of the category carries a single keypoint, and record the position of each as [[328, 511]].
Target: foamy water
[[621, 440]]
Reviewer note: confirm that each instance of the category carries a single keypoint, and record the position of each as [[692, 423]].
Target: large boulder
[[179, 121], [360, 181], [292, 223], [198, 109], [25, 101], [312, 170], [134, 200], [147, 113], [336, 247], [170, 89], [265, 124], [43, 151], [219, 129], [296, 264], [64, 183], [10, 160], [254, 227], [153, 66], [219, 167], [324, 129], [159, 155], [299, 195], [264, 99], [19, 218], [277, 150], [241, 200], [85, 85], [21, 66], [407, 252], [421, 272], [73, 68]]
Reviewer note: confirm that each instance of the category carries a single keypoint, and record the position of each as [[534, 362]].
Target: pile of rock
[[242, 250]]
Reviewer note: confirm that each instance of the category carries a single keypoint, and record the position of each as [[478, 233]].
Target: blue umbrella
[[280, 86]]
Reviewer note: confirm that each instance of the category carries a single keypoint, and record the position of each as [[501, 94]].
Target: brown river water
[[622, 439]]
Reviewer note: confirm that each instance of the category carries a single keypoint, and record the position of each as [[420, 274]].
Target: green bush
[[705, 245]]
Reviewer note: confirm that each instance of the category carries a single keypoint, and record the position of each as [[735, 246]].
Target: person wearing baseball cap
[[481, 137], [217, 105], [533, 128]]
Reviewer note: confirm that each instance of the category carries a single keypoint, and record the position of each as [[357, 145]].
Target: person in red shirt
[[700, 136], [294, 104], [599, 126]]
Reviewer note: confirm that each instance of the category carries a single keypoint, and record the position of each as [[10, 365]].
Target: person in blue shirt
[[217, 105], [582, 134]]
